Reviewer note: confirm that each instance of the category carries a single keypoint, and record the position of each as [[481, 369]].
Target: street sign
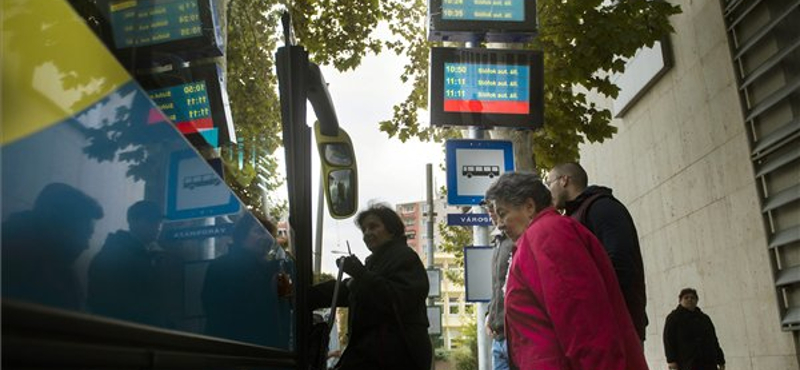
[[472, 165], [469, 219], [195, 190], [434, 283], [435, 320], [478, 273]]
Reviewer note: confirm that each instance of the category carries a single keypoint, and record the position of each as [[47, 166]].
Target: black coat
[[127, 282], [609, 220], [388, 318], [240, 300], [691, 341]]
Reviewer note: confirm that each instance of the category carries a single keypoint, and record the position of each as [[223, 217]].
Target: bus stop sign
[[472, 165]]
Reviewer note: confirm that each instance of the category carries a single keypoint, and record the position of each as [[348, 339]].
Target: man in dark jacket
[[388, 320], [690, 341], [609, 220], [495, 319], [126, 278], [40, 247]]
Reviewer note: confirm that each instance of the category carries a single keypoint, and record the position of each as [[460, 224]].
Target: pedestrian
[[690, 341], [388, 322], [495, 319], [564, 309], [608, 219]]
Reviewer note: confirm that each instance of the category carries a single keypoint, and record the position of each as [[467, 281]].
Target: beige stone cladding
[[680, 162]]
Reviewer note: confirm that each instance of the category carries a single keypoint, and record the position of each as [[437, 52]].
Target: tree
[[252, 37], [584, 43]]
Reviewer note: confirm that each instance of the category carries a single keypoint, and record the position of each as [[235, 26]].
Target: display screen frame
[[210, 43], [211, 74], [492, 30], [533, 59]]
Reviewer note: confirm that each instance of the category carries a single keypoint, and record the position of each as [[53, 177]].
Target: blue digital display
[[484, 10], [486, 88], [149, 22]]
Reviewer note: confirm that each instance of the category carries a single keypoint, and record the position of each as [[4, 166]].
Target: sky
[[388, 170]]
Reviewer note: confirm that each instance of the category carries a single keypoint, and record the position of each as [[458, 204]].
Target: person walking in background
[[609, 220], [495, 319], [388, 321], [564, 308], [690, 341]]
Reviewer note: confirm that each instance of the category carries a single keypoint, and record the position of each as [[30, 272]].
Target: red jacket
[[564, 308]]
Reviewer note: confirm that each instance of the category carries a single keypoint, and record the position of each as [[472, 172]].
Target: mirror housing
[[339, 172]]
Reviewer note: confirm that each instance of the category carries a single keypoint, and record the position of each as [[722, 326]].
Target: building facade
[[707, 159]]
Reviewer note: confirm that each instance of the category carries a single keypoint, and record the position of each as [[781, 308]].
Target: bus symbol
[[192, 182], [489, 171]]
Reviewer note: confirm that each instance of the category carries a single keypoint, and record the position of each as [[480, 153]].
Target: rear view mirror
[[339, 173]]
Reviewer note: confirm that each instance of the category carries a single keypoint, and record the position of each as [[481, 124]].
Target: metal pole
[[480, 237], [430, 220], [431, 217], [318, 233]]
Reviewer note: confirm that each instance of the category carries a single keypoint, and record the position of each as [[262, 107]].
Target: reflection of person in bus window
[[41, 246], [128, 278], [240, 295]]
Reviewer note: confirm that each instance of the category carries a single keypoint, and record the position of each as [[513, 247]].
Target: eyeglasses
[[549, 182]]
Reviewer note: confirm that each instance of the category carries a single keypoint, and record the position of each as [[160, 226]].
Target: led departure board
[[140, 23], [186, 105], [493, 20], [487, 88], [146, 33], [484, 10], [194, 100]]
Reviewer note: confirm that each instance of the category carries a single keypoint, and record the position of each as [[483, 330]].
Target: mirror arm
[[321, 101]]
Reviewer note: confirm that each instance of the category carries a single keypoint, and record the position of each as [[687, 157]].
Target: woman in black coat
[[388, 323], [690, 341]]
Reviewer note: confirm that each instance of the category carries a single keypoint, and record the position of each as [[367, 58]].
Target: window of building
[[453, 306]]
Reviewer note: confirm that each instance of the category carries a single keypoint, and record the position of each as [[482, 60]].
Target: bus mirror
[[339, 172]]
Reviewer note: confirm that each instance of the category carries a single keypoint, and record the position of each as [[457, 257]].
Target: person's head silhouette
[[144, 220], [66, 216]]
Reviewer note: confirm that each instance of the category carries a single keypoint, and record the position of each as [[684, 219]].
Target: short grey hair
[[516, 187]]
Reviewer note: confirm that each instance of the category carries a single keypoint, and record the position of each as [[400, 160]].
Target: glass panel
[[109, 210], [338, 154], [341, 191]]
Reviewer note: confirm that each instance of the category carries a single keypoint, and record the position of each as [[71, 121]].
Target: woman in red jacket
[[564, 309]]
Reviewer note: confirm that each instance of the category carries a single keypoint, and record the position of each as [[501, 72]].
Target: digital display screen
[[194, 99], [484, 10], [486, 88], [487, 20], [138, 23], [186, 105]]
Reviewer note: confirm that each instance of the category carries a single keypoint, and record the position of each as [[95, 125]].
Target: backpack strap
[[580, 213]]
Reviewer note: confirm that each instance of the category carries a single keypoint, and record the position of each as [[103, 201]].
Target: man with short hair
[[609, 220], [501, 257], [690, 340]]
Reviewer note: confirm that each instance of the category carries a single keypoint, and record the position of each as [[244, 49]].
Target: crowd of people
[[568, 282]]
